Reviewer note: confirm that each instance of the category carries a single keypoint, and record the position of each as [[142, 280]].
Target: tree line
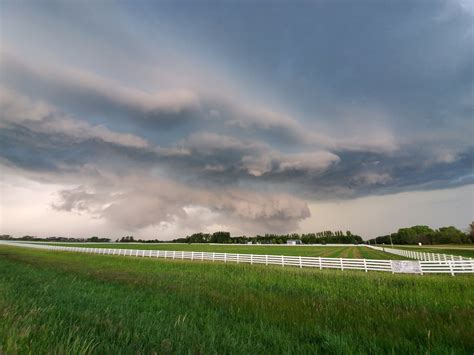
[[324, 237], [412, 235], [222, 237], [33, 238], [426, 235]]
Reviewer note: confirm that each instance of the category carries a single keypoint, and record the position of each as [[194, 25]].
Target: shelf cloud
[[238, 123]]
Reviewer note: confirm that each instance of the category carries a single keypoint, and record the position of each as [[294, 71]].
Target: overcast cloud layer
[[163, 118]]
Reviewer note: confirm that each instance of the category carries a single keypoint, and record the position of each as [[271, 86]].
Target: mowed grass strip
[[315, 251], [56, 302]]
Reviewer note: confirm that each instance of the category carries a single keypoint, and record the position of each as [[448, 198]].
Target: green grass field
[[72, 303], [322, 251], [460, 250]]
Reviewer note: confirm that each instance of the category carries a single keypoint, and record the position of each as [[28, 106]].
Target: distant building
[[293, 242]]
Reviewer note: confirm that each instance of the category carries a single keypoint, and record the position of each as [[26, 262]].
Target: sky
[[162, 118]]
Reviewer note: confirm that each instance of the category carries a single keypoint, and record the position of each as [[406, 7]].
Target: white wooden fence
[[419, 255], [434, 262], [395, 266]]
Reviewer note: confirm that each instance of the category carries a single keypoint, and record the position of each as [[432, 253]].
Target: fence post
[[251, 259], [174, 254], [365, 265], [451, 268], [301, 265], [225, 257], [282, 261], [320, 263], [342, 264], [213, 256], [266, 260]]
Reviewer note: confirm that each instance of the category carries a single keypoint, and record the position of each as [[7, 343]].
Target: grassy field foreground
[[358, 252], [57, 302]]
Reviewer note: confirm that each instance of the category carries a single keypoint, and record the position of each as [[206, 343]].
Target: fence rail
[[394, 266]]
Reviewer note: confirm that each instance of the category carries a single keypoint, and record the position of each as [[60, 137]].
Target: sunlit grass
[[56, 302]]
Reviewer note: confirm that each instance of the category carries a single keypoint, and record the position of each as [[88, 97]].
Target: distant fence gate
[[462, 266]]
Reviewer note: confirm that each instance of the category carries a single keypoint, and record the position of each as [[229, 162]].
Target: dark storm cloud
[[413, 58], [168, 115], [89, 94], [206, 159]]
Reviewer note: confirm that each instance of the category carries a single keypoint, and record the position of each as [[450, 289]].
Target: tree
[[471, 232], [220, 237], [127, 239]]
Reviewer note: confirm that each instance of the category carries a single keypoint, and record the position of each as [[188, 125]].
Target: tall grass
[[53, 302]]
